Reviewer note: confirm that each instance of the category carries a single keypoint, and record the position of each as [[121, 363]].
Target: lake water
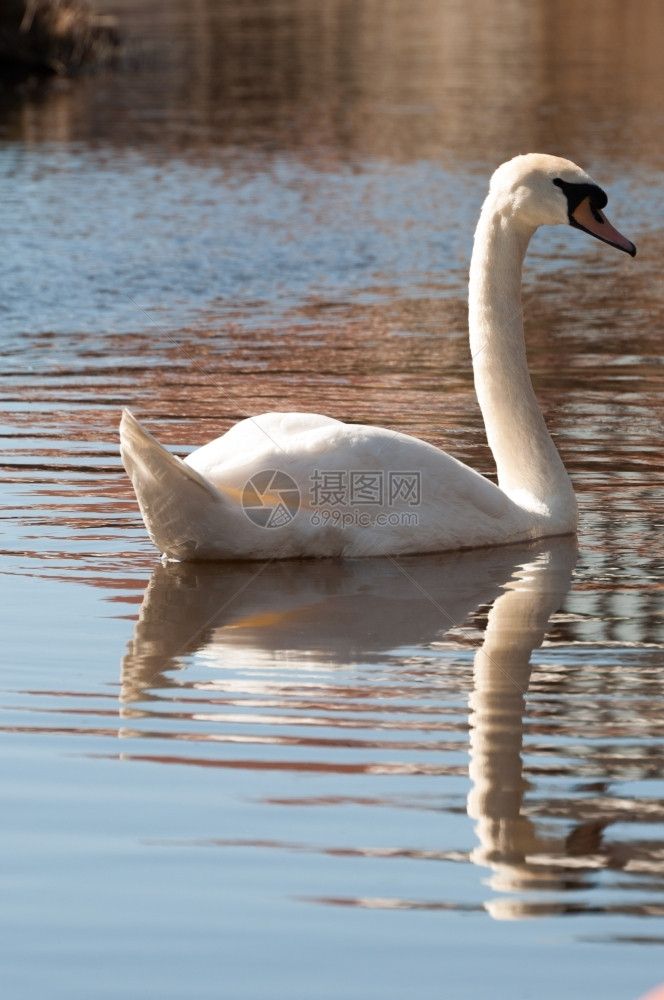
[[439, 776]]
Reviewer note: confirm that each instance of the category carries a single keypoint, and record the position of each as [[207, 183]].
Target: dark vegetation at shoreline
[[45, 38]]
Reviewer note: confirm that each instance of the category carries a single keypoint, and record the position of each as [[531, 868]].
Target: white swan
[[283, 485]]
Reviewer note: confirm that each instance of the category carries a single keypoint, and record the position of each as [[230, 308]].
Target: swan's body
[[363, 491]]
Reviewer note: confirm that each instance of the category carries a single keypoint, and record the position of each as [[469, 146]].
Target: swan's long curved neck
[[530, 470]]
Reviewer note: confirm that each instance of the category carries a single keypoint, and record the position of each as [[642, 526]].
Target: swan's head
[[541, 190]]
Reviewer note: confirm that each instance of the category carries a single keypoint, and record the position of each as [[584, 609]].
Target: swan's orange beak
[[592, 220]]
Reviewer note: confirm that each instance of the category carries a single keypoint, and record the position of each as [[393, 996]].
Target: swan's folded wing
[[177, 503]]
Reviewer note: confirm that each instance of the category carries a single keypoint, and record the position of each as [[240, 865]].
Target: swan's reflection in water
[[234, 617], [510, 842], [338, 611]]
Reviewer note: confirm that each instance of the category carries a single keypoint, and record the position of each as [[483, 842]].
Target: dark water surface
[[440, 775]]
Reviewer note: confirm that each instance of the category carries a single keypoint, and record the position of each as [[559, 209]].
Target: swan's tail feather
[[177, 503]]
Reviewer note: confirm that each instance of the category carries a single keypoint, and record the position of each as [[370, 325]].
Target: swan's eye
[[576, 192]]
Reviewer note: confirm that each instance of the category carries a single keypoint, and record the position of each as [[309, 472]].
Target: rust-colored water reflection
[[414, 78]]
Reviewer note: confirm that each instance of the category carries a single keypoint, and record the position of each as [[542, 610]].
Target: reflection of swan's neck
[[517, 624], [529, 468], [501, 676]]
